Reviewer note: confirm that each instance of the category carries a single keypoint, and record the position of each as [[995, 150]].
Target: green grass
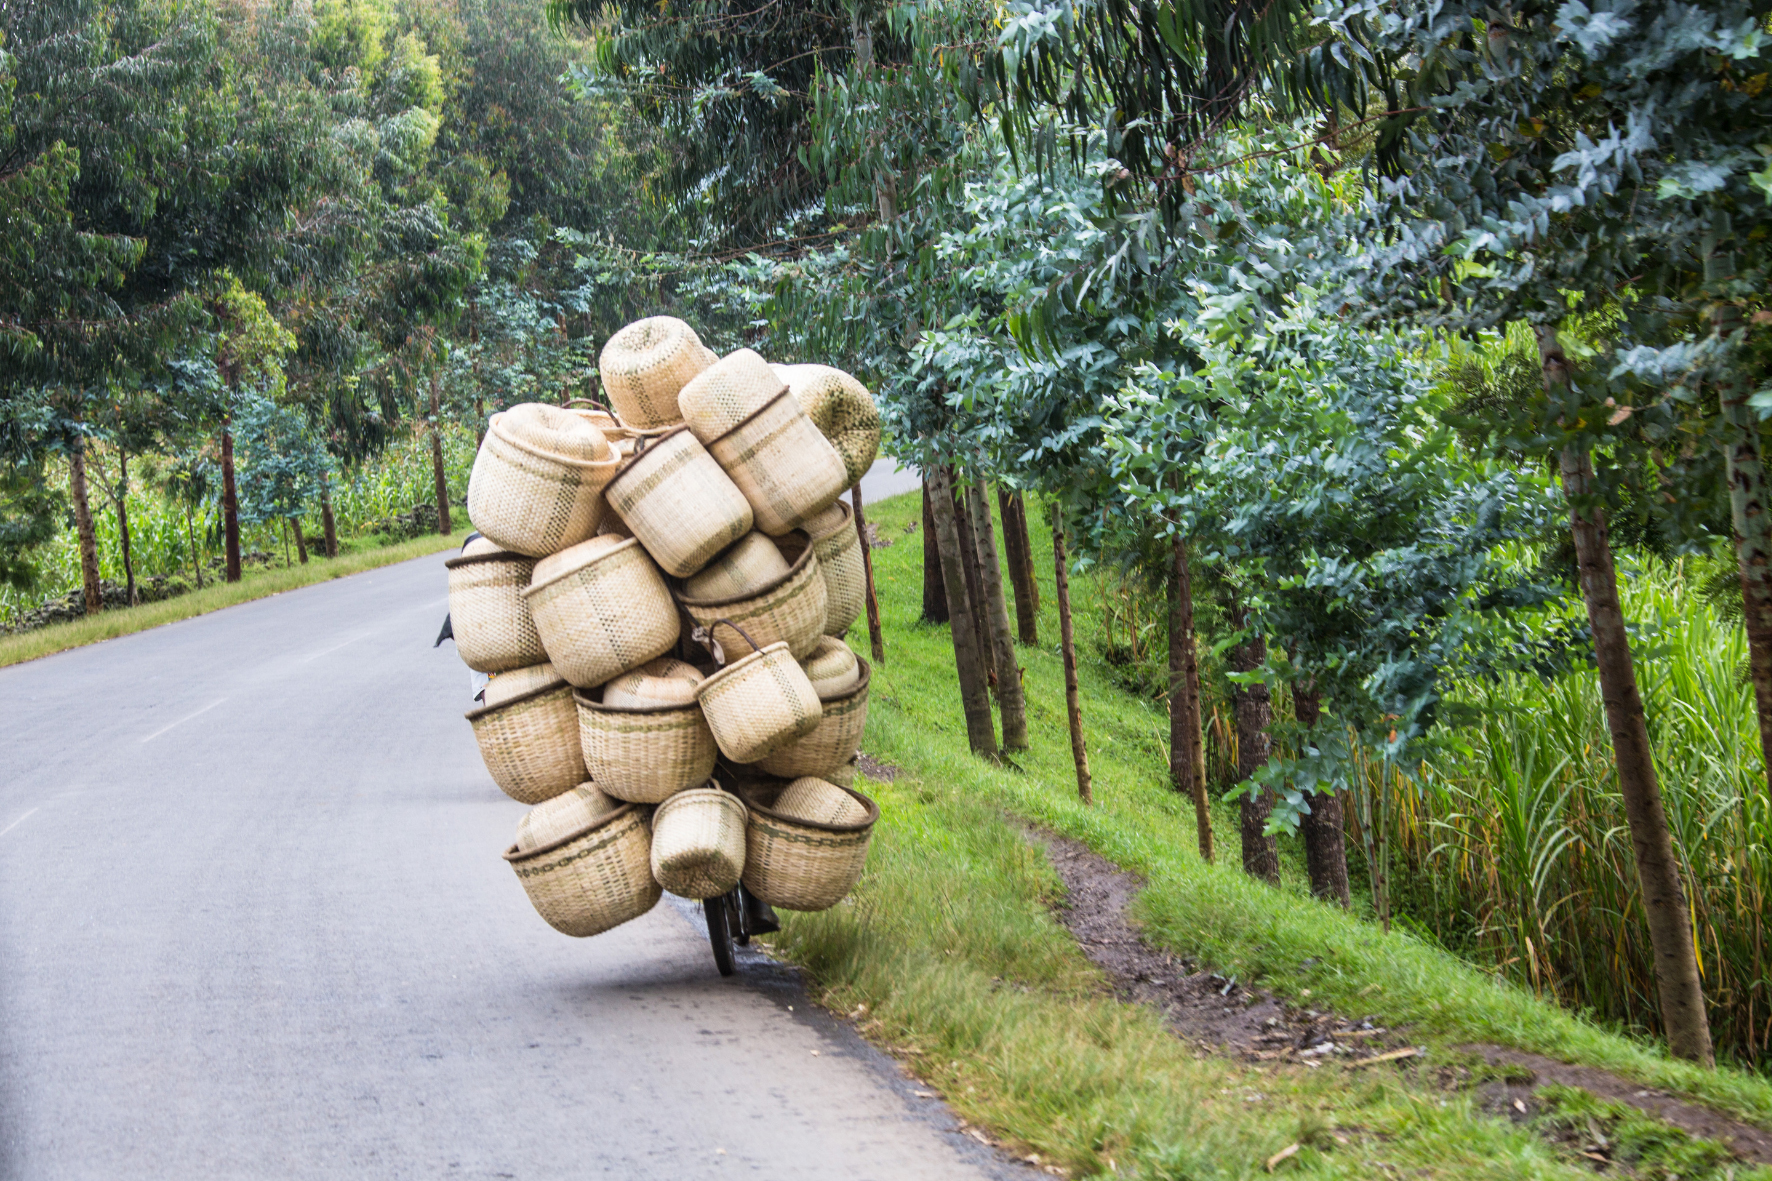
[[948, 943], [257, 584]]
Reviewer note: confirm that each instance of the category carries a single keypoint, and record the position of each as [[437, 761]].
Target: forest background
[[1394, 380]]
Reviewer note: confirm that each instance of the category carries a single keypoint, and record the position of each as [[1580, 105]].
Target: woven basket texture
[[757, 705], [479, 546], [832, 668], [534, 502], [698, 843], [842, 409], [595, 880], [789, 610], [843, 776], [785, 468], [572, 557], [678, 502], [833, 744], [645, 755], [560, 432], [743, 569], [643, 367], [504, 686], [845, 578], [605, 617], [810, 797], [665, 681], [727, 393], [491, 623], [804, 864], [530, 744], [565, 814]]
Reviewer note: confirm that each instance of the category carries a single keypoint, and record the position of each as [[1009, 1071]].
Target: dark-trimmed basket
[[595, 879], [802, 864]]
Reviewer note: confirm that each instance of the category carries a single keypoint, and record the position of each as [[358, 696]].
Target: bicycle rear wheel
[[719, 916]]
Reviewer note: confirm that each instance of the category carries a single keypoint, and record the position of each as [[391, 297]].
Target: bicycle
[[733, 918]]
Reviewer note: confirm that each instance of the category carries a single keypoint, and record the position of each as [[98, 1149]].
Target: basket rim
[[848, 522], [534, 587], [514, 854], [649, 433], [744, 793], [741, 662], [474, 715], [628, 463], [506, 437], [503, 555], [743, 422], [861, 683], [767, 588], [709, 787], [579, 698]]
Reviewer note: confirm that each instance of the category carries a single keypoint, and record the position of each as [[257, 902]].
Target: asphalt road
[[254, 923]]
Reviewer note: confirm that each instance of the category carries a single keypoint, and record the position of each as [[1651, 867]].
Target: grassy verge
[[107, 625], [949, 945]]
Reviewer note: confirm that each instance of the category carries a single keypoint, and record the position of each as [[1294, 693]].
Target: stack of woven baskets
[[660, 594]]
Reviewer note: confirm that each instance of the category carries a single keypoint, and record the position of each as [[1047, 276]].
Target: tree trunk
[[975, 697], [95, 595], [1255, 712], [191, 536], [1019, 503], [327, 521], [876, 640], [935, 595], [1021, 573], [971, 580], [131, 597], [301, 542], [1067, 643], [1658, 871], [444, 526], [230, 505], [1011, 704], [479, 416], [1184, 700], [1752, 517], [1325, 845]]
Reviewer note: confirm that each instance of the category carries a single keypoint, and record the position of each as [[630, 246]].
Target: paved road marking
[[184, 719], [16, 823]]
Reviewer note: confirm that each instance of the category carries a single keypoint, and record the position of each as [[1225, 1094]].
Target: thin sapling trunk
[[327, 521], [1750, 511], [1325, 843], [1021, 573], [1184, 699], [1010, 702], [1254, 712], [975, 697], [876, 639], [89, 581], [301, 542], [444, 526], [935, 595], [230, 505], [1067, 643], [971, 580]]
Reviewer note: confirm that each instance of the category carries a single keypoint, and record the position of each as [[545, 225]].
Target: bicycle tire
[[719, 916]]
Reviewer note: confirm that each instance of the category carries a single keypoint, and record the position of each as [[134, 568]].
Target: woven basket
[[789, 610], [757, 705], [813, 798], [530, 743], [833, 744], [804, 864], [605, 614], [785, 468], [838, 546], [532, 501], [493, 630], [842, 409], [743, 569], [832, 668], [565, 814], [505, 686], [644, 365], [556, 431], [727, 393], [843, 776], [645, 755], [698, 842], [665, 681], [594, 880], [678, 502]]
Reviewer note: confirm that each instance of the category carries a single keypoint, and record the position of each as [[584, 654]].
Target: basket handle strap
[[705, 637]]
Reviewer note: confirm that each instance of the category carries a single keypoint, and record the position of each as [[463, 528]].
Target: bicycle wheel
[[719, 915]]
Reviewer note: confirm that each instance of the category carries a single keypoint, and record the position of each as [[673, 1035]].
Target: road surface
[[254, 923]]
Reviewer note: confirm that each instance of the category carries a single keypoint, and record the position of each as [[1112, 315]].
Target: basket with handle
[[838, 547], [604, 609], [698, 842], [675, 499], [644, 755], [789, 609], [758, 704], [799, 863], [785, 468], [644, 366], [594, 879], [493, 629], [833, 743], [531, 500], [841, 408], [530, 743]]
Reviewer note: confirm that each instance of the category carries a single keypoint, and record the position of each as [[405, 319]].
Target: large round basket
[[644, 365], [757, 705], [841, 408], [833, 744], [645, 755], [790, 609], [803, 864], [493, 630], [530, 743], [785, 468], [605, 616], [567, 813], [698, 842], [728, 392], [832, 668], [533, 501], [595, 879], [678, 502], [742, 568], [838, 547]]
